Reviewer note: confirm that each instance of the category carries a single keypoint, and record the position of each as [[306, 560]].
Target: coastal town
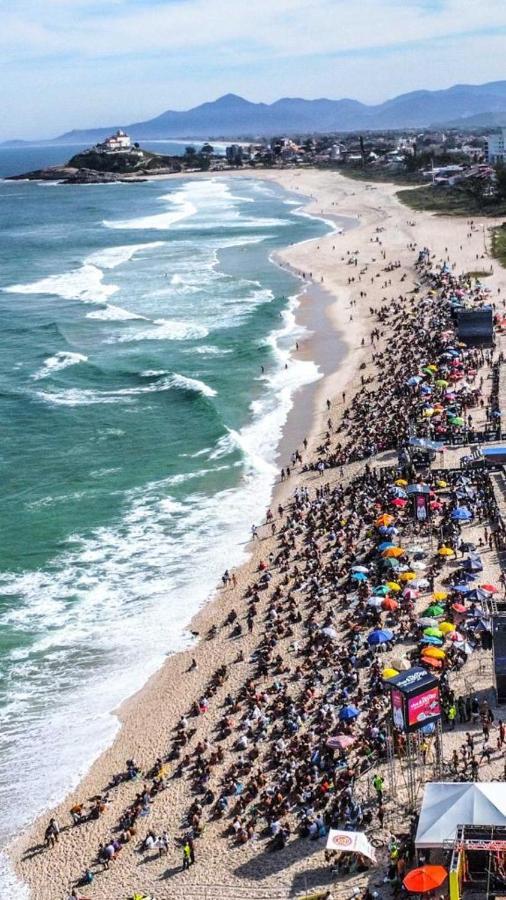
[[340, 730]]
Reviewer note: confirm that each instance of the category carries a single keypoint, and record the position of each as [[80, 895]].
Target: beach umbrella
[[407, 576], [426, 622], [382, 590], [433, 632], [401, 482], [434, 653], [414, 380], [401, 663], [385, 545], [459, 607], [461, 588], [359, 576], [375, 602], [425, 879], [391, 563], [489, 587], [441, 382], [418, 549], [445, 551], [455, 637], [379, 636], [389, 673], [434, 663], [340, 741], [461, 514], [387, 530], [410, 594], [431, 641], [393, 586], [436, 505], [446, 627], [392, 552], [384, 519], [434, 610], [457, 420], [362, 569], [330, 632], [478, 595], [389, 604], [348, 713], [440, 595], [399, 502], [441, 484]]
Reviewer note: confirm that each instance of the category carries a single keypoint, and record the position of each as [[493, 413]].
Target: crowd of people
[[357, 586]]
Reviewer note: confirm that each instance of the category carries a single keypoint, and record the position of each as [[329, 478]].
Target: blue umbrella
[[348, 712], [461, 588], [398, 492], [387, 530], [461, 514], [385, 545], [415, 379], [432, 641], [359, 576], [428, 729], [380, 636]]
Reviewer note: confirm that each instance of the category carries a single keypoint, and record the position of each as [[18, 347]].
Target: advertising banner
[[423, 707]]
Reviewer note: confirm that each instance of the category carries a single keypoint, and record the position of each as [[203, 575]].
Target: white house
[[117, 142], [496, 152]]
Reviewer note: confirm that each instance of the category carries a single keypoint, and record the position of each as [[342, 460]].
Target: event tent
[[446, 805]]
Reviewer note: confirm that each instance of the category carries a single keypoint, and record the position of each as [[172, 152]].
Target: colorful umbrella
[[347, 713], [433, 632], [489, 587], [407, 576], [392, 552], [401, 482], [382, 590], [424, 879], [459, 607], [393, 586], [399, 502], [446, 627], [434, 610], [389, 673], [390, 604], [379, 636], [445, 551], [440, 595], [384, 519], [434, 653]]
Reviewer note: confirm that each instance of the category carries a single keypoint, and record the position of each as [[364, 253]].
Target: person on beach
[[52, 833], [186, 856]]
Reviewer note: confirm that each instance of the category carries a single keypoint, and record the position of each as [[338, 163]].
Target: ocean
[[138, 439]]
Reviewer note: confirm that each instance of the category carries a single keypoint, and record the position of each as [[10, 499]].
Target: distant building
[[116, 143], [496, 151], [234, 154]]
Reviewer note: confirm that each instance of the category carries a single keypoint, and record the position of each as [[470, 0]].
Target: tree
[[500, 181], [190, 152], [207, 149], [475, 188]]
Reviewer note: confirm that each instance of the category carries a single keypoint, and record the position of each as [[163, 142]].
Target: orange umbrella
[[392, 552], [434, 663], [390, 604], [434, 652], [424, 879], [385, 519]]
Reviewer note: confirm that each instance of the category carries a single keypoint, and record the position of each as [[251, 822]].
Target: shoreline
[[149, 716], [311, 316]]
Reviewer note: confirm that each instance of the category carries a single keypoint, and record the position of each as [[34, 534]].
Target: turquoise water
[[138, 440]]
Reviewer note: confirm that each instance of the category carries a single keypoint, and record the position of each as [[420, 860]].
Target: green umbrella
[[457, 420], [391, 563], [434, 610], [381, 591], [441, 382], [433, 632]]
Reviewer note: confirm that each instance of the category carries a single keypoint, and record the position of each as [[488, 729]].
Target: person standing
[[186, 856]]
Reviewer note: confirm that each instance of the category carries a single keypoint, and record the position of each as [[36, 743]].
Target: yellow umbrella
[[427, 413], [441, 483], [440, 595], [432, 367], [392, 552], [446, 627], [393, 586], [445, 551], [389, 673], [434, 652], [401, 482], [407, 576]]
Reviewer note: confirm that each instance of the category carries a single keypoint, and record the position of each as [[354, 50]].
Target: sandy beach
[[335, 308]]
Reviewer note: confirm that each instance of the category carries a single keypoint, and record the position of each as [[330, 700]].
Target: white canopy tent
[[446, 805]]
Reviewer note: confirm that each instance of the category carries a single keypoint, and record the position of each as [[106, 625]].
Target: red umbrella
[[490, 588], [429, 661], [424, 879], [399, 502], [459, 607], [390, 604]]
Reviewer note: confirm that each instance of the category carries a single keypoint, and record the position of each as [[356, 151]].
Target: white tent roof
[[447, 805]]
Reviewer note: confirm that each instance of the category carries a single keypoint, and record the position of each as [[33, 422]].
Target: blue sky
[[78, 63]]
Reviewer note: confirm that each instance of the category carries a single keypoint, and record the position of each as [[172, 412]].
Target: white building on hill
[[497, 147], [117, 142]]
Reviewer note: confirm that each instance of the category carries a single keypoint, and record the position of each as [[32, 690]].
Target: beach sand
[[149, 718]]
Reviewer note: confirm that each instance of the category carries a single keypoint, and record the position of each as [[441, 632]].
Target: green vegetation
[[381, 175], [498, 244], [469, 199]]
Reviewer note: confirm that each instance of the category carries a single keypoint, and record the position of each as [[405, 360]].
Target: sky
[[83, 63]]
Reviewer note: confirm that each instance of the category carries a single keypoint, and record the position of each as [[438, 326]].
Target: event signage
[[414, 699]]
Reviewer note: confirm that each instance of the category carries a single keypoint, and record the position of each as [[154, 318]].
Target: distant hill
[[232, 116]]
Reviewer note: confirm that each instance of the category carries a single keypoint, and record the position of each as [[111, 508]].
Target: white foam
[[88, 397], [112, 257], [83, 284], [61, 360], [164, 330], [112, 313], [160, 221]]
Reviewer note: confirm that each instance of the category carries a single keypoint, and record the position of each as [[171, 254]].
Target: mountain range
[[234, 117]]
